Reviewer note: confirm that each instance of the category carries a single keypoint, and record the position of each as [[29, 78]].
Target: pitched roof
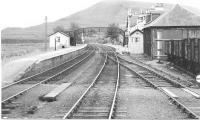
[[60, 33], [136, 31], [176, 17]]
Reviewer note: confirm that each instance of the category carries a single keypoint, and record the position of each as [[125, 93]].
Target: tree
[[59, 29], [74, 26], [113, 31]]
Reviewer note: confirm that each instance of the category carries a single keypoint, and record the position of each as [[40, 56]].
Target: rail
[[179, 104], [75, 106], [24, 79], [116, 90], [7, 100]]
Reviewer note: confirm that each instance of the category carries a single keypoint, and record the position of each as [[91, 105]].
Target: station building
[[175, 36], [59, 40], [135, 43], [176, 24], [135, 39]]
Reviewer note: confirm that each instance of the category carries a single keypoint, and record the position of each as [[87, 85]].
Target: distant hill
[[100, 14]]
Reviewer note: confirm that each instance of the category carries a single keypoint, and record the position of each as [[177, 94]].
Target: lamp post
[[57, 39]]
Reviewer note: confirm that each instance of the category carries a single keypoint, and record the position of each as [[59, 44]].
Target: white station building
[[135, 43], [59, 40], [135, 40]]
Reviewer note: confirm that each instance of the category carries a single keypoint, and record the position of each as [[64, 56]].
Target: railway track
[[181, 96], [188, 83], [47, 76], [113, 107], [99, 99]]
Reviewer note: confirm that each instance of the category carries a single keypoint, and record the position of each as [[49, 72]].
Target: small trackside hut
[[135, 43], [175, 36], [59, 40]]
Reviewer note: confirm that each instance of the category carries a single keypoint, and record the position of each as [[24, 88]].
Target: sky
[[25, 13]]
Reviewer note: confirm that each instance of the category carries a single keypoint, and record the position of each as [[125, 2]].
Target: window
[[192, 34], [57, 39], [136, 39]]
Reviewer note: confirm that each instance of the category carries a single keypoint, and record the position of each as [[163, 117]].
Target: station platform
[[13, 70]]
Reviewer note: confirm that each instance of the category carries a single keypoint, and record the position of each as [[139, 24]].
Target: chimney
[[152, 14]]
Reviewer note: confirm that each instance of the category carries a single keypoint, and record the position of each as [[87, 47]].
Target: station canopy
[[176, 17]]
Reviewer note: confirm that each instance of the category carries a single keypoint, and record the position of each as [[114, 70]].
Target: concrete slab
[[51, 96]]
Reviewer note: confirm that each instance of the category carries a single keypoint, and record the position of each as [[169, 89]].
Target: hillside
[[100, 14]]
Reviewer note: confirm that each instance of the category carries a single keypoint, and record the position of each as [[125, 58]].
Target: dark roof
[[61, 33], [176, 17], [136, 31]]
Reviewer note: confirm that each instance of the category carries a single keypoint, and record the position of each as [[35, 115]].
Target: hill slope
[[100, 14]]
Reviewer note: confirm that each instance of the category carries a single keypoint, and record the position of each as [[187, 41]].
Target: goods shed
[[175, 35]]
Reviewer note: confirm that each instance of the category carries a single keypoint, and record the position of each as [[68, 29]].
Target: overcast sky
[[24, 13]]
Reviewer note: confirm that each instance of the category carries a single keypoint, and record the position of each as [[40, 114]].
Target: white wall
[[136, 46], [64, 40]]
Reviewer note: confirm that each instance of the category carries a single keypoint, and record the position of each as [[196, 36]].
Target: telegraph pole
[[46, 40]]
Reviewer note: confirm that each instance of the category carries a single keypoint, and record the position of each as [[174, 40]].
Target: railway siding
[[14, 96], [152, 110], [9, 100], [120, 90], [170, 91]]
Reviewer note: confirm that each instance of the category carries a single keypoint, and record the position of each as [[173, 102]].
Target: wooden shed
[[177, 24]]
